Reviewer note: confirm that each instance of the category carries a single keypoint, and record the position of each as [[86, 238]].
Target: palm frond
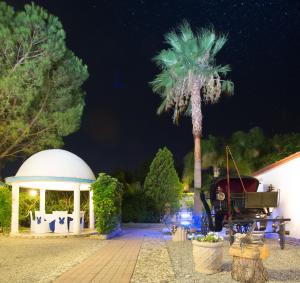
[[186, 31], [206, 40], [212, 89], [227, 87], [162, 107], [166, 58], [173, 40], [223, 70], [219, 43], [188, 111], [162, 82], [205, 71], [176, 115]]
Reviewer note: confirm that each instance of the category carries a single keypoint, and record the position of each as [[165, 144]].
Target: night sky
[[117, 40]]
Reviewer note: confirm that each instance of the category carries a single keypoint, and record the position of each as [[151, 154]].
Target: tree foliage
[[5, 208], [281, 146], [162, 183], [107, 200], [137, 206], [188, 170], [188, 67], [41, 99], [251, 150]]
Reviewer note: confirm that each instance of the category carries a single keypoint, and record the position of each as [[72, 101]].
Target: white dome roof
[[55, 163]]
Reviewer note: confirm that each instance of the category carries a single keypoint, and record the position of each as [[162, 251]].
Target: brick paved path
[[114, 263]]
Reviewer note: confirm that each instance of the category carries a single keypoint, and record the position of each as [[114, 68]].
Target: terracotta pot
[[208, 257]]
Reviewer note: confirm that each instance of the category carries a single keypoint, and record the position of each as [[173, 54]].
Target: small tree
[[162, 183], [107, 200], [5, 208]]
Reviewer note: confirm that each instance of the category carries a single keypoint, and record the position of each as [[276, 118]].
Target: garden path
[[114, 262]]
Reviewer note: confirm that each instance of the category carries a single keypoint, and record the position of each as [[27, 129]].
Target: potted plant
[[208, 253]]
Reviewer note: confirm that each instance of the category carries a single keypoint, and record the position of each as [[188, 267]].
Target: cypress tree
[[162, 183]]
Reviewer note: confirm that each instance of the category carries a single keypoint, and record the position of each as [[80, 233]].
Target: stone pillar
[[92, 215], [15, 209], [42, 201], [76, 212]]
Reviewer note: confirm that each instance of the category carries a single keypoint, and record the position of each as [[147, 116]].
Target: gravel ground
[[282, 265], [42, 260], [160, 260], [153, 263]]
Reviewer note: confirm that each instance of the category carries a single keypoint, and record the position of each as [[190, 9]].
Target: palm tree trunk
[[197, 131], [197, 174]]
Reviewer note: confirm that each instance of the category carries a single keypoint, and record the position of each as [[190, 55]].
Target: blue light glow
[[185, 215], [185, 223]]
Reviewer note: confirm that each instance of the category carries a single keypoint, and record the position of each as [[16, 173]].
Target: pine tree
[[162, 182], [41, 99]]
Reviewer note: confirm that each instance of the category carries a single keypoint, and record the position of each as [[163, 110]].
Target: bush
[[136, 206], [5, 208], [107, 203]]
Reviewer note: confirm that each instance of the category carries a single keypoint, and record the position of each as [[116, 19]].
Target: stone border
[[52, 235], [110, 235], [292, 241], [143, 225]]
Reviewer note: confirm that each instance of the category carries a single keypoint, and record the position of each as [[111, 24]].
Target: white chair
[[32, 223], [41, 225], [81, 220], [58, 211], [71, 222], [50, 218], [61, 222]]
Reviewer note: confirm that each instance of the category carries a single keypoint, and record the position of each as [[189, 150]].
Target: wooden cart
[[242, 225]]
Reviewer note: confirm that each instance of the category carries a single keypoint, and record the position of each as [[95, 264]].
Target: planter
[[208, 257]]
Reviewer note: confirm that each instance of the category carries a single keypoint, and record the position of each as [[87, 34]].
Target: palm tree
[[189, 75]]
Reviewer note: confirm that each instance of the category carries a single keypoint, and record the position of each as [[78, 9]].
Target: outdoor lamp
[[33, 193]]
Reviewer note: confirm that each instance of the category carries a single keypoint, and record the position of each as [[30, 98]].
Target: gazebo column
[[15, 209], [91, 210], [42, 201], [76, 213]]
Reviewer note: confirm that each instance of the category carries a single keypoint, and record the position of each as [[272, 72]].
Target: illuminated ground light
[[185, 215], [185, 223]]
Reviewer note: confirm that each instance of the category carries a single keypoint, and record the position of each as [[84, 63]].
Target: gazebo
[[53, 169]]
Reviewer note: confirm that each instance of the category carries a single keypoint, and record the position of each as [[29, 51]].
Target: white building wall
[[286, 178]]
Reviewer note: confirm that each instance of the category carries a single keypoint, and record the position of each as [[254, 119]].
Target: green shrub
[[5, 208], [107, 203], [138, 207]]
